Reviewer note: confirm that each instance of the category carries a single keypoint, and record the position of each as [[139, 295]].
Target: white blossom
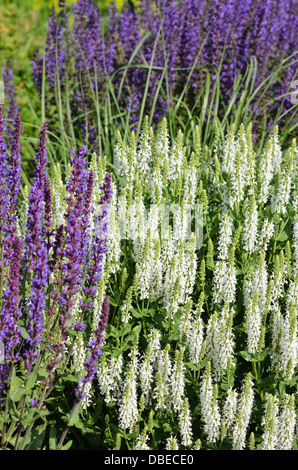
[[270, 423], [244, 410], [286, 424], [209, 407], [185, 425]]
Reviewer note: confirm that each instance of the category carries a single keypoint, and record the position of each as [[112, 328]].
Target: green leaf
[[192, 366], [24, 332], [203, 362], [13, 412], [75, 418], [28, 418], [37, 438], [17, 390], [167, 428], [283, 237], [136, 313], [247, 356], [70, 377], [67, 446], [73, 332], [264, 354], [52, 438], [114, 303], [112, 331], [31, 381]]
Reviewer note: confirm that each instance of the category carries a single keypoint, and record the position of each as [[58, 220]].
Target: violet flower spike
[[98, 247], [13, 188], [95, 348], [4, 197], [10, 333]]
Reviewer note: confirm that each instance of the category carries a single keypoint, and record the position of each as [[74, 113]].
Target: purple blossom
[[94, 347], [48, 209], [9, 330], [4, 196], [15, 163], [44, 276], [98, 244], [36, 254], [230, 33], [37, 304], [13, 185], [34, 403]]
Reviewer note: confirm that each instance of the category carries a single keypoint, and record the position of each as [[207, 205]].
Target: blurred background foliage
[[23, 29]]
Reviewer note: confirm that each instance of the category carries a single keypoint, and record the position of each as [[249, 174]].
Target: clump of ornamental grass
[[52, 256]]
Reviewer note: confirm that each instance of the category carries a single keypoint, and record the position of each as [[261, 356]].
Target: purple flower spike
[[9, 329], [13, 188], [95, 348], [48, 209], [3, 175], [41, 155], [98, 249], [14, 173], [36, 253]]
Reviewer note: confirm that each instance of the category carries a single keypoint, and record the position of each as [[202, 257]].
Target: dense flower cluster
[[46, 266], [167, 48], [156, 306], [226, 306]]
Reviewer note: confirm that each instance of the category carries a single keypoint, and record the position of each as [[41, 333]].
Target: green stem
[[24, 441], [6, 402]]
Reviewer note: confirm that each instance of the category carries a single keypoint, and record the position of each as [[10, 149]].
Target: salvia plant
[[155, 310], [153, 57], [204, 331], [52, 322]]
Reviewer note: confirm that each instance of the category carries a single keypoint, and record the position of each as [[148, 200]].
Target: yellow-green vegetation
[[22, 30]]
